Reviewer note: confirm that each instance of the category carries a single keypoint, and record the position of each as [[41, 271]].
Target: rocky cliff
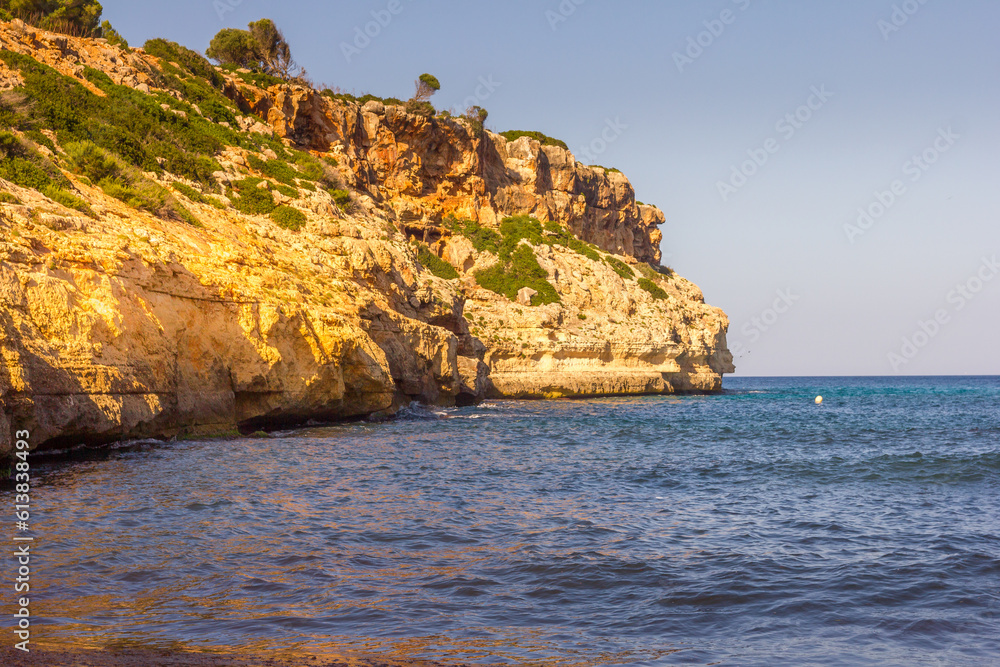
[[279, 256]]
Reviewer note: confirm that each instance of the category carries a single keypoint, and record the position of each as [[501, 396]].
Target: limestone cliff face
[[122, 324], [113, 330], [428, 168]]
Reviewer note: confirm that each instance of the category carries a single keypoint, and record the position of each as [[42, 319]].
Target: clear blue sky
[[890, 94]]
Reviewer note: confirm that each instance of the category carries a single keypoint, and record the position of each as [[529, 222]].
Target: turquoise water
[[748, 528]]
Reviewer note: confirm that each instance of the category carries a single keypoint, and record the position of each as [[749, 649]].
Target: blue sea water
[[747, 528]]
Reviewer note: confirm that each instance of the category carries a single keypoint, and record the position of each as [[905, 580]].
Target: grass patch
[[196, 196], [8, 198], [654, 273], [655, 290], [289, 218], [620, 267], [68, 200]]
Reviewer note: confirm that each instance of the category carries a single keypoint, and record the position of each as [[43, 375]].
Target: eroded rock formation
[[123, 324]]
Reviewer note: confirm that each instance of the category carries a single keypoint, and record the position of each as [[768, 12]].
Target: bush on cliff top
[[545, 140]]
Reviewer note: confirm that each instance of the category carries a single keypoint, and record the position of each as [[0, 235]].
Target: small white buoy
[[819, 400]]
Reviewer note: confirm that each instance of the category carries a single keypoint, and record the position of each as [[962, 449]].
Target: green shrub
[[557, 235], [91, 161], [24, 172], [306, 185], [181, 212], [277, 169], [363, 100], [342, 198], [435, 264], [653, 289], [195, 196], [581, 316], [545, 140], [255, 201], [310, 168], [189, 60], [289, 218], [483, 239], [518, 227], [68, 200], [8, 198], [71, 17], [143, 195], [420, 108], [578, 246], [476, 116], [612, 170], [289, 192], [113, 36], [129, 124], [521, 270], [40, 139], [620, 267], [258, 79]]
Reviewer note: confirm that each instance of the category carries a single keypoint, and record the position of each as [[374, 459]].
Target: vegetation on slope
[[545, 140], [435, 264], [111, 140]]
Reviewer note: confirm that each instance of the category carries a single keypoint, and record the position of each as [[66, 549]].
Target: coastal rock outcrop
[[203, 310]]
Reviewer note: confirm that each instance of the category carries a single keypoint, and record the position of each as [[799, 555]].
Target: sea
[[753, 527]]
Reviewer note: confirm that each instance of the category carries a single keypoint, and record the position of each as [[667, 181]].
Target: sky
[[828, 170]]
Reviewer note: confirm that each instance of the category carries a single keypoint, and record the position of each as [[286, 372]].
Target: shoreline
[[234, 432]]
